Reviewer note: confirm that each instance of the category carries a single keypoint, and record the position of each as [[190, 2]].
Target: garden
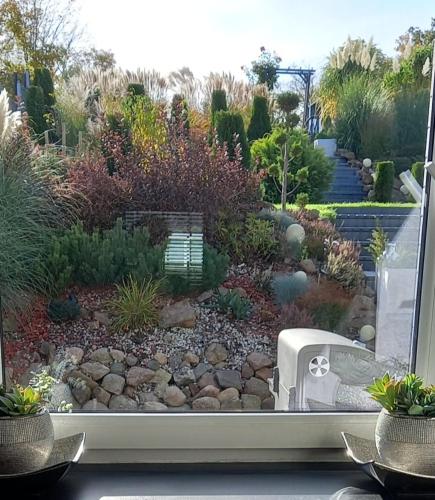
[[157, 233]]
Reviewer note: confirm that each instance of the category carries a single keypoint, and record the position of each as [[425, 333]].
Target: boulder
[[147, 397], [102, 318], [102, 355], [161, 376], [251, 402], [78, 375], [138, 375], [94, 405], [174, 396], [216, 353], [131, 360], [113, 383], [229, 378], [117, 368], [154, 406], [122, 402], [62, 392], [227, 394], [264, 373], [117, 355], [210, 391], [161, 358], [202, 368], [47, 350], [95, 370], [268, 404], [207, 295], [247, 371], [308, 266], [191, 358], [257, 387], [81, 392], [153, 364], [101, 395], [184, 376], [206, 404], [75, 354], [258, 360], [207, 379], [180, 314], [231, 404]]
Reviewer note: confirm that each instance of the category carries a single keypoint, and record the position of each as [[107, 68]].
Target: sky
[[223, 35]]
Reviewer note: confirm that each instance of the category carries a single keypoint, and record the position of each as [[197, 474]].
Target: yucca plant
[[135, 304], [405, 395]]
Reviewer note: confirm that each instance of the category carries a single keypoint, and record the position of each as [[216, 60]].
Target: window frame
[[202, 436]]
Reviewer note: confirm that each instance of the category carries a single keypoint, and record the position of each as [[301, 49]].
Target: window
[[158, 266]]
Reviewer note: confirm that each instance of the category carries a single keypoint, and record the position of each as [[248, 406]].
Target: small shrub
[[288, 287], [35, 107], [231, 302], [417, 171], [179, 115], [215, 268], [342, 264], [135, 305], [378, 243], [63, 310], [317, 233], [329, 315], [44, 80], [384, 181], [135, 89], [302, 200], [293, 316], [230, 131], [259, 124]]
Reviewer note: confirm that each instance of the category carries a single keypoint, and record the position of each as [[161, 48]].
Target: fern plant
[[406, 395]]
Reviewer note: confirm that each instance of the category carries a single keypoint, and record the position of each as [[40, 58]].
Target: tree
[[37, 33], [230, 130], [180, 114], [44, 80], [218, 103], [287, 103], [259, 124], [416, 36], [35, 107], [103, 60], [263, 70]]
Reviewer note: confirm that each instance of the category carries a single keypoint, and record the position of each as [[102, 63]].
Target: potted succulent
[[405, 429], [26, 430]]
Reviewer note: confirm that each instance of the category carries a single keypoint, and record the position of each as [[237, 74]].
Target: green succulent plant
[[20, 401], [407, 395], [232, 302]]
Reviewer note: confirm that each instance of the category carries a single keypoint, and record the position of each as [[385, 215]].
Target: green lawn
[[327, 211]]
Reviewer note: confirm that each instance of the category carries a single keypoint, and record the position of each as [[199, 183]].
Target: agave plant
[[20, 401]]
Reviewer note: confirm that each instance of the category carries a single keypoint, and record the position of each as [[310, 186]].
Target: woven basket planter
[[406, 443], [25, 442]]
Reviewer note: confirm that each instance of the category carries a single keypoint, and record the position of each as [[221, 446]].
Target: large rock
[[147, 397], [161, 358], [81, 392], [117, 355], [184, 376], [122, 402], [138, 375], [208, 391], [154, 406], [251, 402], [207, 379], [102, 355], [200, 369], [131, 360], [227, 394], [229, 378], [47, 350], [101, 395], [102, 318], [191, 358], [174, 396], [258, 360], [257, 387], [247, 371], [180, 314], [94, 405], [95, 370], [117, 368], [264, 374], [74, 375], [161, 377], [113, 383], [216, 353], [62, 392], [231, 404], [207, 295], [75, 354], [308, 266], [268, 404], [362, 311], [206, 404]]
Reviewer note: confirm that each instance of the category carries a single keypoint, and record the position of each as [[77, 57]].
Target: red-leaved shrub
[[102, 197], [293, 316]]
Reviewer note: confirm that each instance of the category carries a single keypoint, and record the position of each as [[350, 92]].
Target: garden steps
[[358, 223], [345, 185]]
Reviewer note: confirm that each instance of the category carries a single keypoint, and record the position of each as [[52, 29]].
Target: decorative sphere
[[367, 162], [300, 276], [367, 333], [295, 232]]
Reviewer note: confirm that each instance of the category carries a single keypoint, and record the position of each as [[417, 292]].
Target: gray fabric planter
[[25, 442], [406, 443]]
